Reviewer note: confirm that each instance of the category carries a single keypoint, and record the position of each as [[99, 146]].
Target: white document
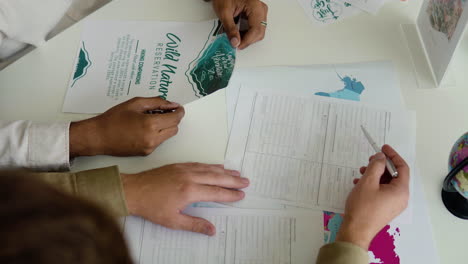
[[242, 236], [323, 12], [118, 60], [305, 152], [441, 24], [379, 80], [371, 6]]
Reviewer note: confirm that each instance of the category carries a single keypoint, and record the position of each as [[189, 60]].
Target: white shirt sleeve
[[38, 146]]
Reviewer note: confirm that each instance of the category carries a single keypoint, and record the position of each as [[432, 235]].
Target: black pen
[[159, 111]]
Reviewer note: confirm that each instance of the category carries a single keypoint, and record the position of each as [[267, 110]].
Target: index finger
[[144, 104], [168, 120], [257, 15], [209, 193], [224, 179], [399, 162]]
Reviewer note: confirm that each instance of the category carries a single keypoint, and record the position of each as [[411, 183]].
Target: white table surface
[[34, 87]]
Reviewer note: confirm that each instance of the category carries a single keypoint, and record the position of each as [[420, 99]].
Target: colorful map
[[352, 90], [382, 248]]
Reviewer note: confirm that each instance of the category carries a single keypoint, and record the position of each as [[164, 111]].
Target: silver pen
[[390, 166]]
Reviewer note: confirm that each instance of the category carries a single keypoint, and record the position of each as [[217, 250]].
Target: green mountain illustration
[[82, 65]]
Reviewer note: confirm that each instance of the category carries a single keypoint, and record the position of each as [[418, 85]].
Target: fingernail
[[235, 42], [209, 230], [379, 155], [245, 180]]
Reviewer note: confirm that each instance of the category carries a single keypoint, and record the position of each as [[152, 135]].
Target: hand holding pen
[[371, 205]]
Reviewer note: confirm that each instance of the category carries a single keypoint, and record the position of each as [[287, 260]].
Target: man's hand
[[126, 129], [372, 205], [160, 195], [256, 12]]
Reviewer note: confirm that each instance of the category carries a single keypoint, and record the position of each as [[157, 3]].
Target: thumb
[[231, 29], [375, 170], [195, 224]]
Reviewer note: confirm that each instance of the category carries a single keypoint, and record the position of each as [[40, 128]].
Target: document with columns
[[305, 151], [242, 236]]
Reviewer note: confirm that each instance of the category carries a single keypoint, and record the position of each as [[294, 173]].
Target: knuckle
[[178, 166], [176, 121], [186, 189], [186, 175], [181, 113], [146, 151], [218, 191], [262, 36], [174, 131], [149, 142], [195, 164], [150, 125]]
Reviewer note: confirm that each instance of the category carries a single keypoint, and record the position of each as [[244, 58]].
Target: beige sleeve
[[342, 253], [102, 186]]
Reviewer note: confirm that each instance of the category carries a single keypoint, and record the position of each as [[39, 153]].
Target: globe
[[458, 153]]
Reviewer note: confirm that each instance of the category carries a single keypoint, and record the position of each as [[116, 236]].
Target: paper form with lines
[[242, 237], [305, 151]]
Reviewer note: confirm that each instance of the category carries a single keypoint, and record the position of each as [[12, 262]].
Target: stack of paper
[[295, 134]]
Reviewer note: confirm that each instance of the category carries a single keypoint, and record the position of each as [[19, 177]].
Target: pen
[[390, 166], [159, 111]]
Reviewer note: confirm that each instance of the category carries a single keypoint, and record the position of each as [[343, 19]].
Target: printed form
[[242, 236], [305, 151]]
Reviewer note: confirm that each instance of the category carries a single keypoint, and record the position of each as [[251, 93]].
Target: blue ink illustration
[[352, 89]]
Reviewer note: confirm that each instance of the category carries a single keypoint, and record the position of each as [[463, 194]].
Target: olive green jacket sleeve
[[102, 186], [342, 253]]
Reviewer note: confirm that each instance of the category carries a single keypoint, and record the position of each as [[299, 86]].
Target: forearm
[[342, 253], [85, 139], [102, 186]]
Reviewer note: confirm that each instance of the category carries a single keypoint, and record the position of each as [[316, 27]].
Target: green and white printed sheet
[[119, 60], [323, 12]]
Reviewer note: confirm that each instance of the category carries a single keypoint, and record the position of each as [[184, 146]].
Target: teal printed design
[[82, 65], [324, 10], [352, 90], [213, 67]]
